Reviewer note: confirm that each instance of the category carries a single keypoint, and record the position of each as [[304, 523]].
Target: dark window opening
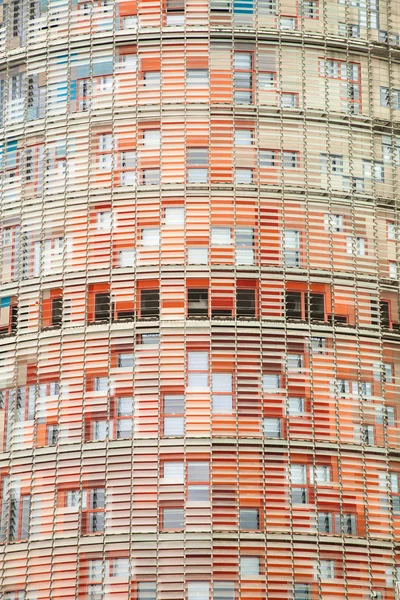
[[301, 305], [293, 305], [150, 304], [14, 318], [125, 315], [220, 313], [198, 303], [102, 305], [56, 312], [385, 313], [317, 306], [245, 304]]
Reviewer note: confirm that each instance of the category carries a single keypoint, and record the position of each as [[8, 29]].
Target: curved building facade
[[200, 359]]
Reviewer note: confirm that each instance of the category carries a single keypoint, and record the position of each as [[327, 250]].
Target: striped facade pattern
[[199, 317]]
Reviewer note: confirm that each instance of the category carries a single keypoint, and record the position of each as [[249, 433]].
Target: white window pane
[[120, 567], [271, 382], [99, 430], [175, 216], [151, 176], [221, 404], [295, 406], [292, 239], [124, 428], [198, 493], [104, 220], [197, 175], [198, 471], [242, 60], [222, 382], [95, 569], [198, 590], [151, 138], [126, 257], [125, 360], [249, 566], [124, 406], [272, 428], [198, 256], [101, 384], [173, 518], [152, 80], [298, 474], [151, 237], [173, 426], [198, 361], [198, 380], [174, 471], [243, 176], [150, 338], [197, 78], [295, 361], [221, 236], [244, 256], [243, 137]]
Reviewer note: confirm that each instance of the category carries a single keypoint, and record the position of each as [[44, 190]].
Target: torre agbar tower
[[199, 322]]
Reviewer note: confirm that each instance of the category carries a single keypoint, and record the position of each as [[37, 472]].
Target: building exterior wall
[[199, 320]]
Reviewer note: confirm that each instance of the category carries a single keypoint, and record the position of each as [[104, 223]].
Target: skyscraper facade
[[199, 321]]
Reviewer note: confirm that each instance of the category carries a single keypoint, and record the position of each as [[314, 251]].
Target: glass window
[[356, 245], [198, 487], [271, 382], [222, 393], [272, 427], [125, 360], [291, 242], [243, 137], [151, 176], [290, 160], [101, 384], [198, 369], [295, 361], [197, 256], [249, 566], [174, 472], [95, 569], [295, 406], [174, 407], [327, 569], [175, 215], [104, 220], [221, 236], [151, 138], [302, 591], [152, 80], [198, 590], [147, 590], [119, 567], [325, 522], [322, 474], [333, 222], [151, 236], [173, 518], [197, 78], [243, 176], [99, 430], [249, 518], [224, 590], [126, 257], [267, 159]]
